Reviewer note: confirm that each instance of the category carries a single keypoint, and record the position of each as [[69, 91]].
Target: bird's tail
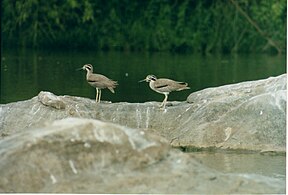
[[183, 86], [113, 85], [111, 89]]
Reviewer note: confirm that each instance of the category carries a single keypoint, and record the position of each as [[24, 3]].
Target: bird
[[98, 81], [164, 86]]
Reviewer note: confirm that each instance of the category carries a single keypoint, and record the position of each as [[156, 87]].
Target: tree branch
[[255, 25]]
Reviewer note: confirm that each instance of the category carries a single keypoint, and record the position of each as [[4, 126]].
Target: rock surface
[[89, 156], [249, 116]]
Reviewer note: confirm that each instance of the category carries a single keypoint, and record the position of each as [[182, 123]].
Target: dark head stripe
[[152, 77], [89, 66]]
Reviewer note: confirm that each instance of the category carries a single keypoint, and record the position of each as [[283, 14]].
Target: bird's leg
[[163, 104], [96, 95], [165, 100], [99, 97]]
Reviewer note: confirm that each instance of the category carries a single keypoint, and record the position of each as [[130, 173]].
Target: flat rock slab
[[89, 156], [244, 116]]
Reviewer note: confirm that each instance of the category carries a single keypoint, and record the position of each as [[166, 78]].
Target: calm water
[[244, 163], [24, 73]]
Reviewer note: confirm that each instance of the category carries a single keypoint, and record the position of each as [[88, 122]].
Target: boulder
[[76, 155], [244, 116], [248, 115]]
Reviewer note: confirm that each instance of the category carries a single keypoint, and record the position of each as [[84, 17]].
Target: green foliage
[[158, 25]]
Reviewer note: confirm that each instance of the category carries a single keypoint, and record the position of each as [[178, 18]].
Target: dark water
[[24, 73]]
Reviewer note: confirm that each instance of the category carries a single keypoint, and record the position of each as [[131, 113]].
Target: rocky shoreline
[[245, 116], [75, 155], [70, 144]]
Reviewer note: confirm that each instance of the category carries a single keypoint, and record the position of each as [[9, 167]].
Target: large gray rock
[[249, 116], [89, 156]]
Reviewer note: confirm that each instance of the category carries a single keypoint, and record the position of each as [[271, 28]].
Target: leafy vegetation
[[207, 26]]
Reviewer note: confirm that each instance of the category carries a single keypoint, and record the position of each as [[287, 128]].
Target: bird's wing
[[163, 85], [166, 85], [97, 78], [101, 80]]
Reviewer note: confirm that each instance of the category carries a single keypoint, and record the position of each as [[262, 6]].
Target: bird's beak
[[141, 80], [79, 69]]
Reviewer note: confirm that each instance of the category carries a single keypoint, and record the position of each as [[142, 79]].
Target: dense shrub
[[158, 25]]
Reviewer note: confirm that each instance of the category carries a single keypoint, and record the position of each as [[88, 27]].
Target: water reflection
[[243, 163], [24, 73]]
